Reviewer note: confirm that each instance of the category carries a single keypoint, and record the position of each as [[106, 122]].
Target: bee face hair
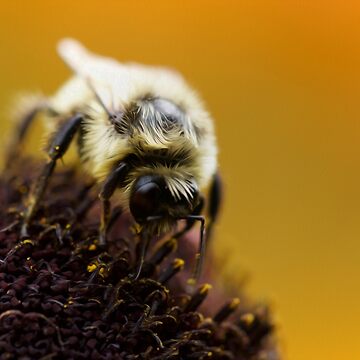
[[157, 138], [163, 145]]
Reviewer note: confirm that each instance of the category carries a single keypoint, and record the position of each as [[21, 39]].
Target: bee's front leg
[[108, 188], [190, 221], [58, 147], [200, 255], [212, 211], [215, 198]]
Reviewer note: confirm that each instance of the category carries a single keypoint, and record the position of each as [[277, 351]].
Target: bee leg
[[105, 216], [107, 190], [144, 245], [21, 129], [215, 200], [200, 255], [189, 221], [59, 144]]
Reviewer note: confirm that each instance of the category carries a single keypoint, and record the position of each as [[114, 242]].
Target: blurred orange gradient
[[282, 79]]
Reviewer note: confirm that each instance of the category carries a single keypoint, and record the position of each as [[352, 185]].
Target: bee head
[[151, 196]]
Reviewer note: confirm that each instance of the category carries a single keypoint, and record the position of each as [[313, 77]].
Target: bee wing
[[72, 52], [85, 63], [105, 75], [96, 67], [110, 78]]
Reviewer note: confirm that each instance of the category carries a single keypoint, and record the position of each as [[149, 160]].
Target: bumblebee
[[142, 133]]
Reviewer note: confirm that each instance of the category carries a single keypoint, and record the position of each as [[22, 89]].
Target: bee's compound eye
[[145, 200]]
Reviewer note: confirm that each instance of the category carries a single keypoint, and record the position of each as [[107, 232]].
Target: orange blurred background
[[282, 79]]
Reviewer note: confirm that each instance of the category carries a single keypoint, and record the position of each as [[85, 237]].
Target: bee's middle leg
[[108, 188], [58, 147]]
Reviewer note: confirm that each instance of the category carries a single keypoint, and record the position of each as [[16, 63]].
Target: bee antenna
[[98, 98]]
